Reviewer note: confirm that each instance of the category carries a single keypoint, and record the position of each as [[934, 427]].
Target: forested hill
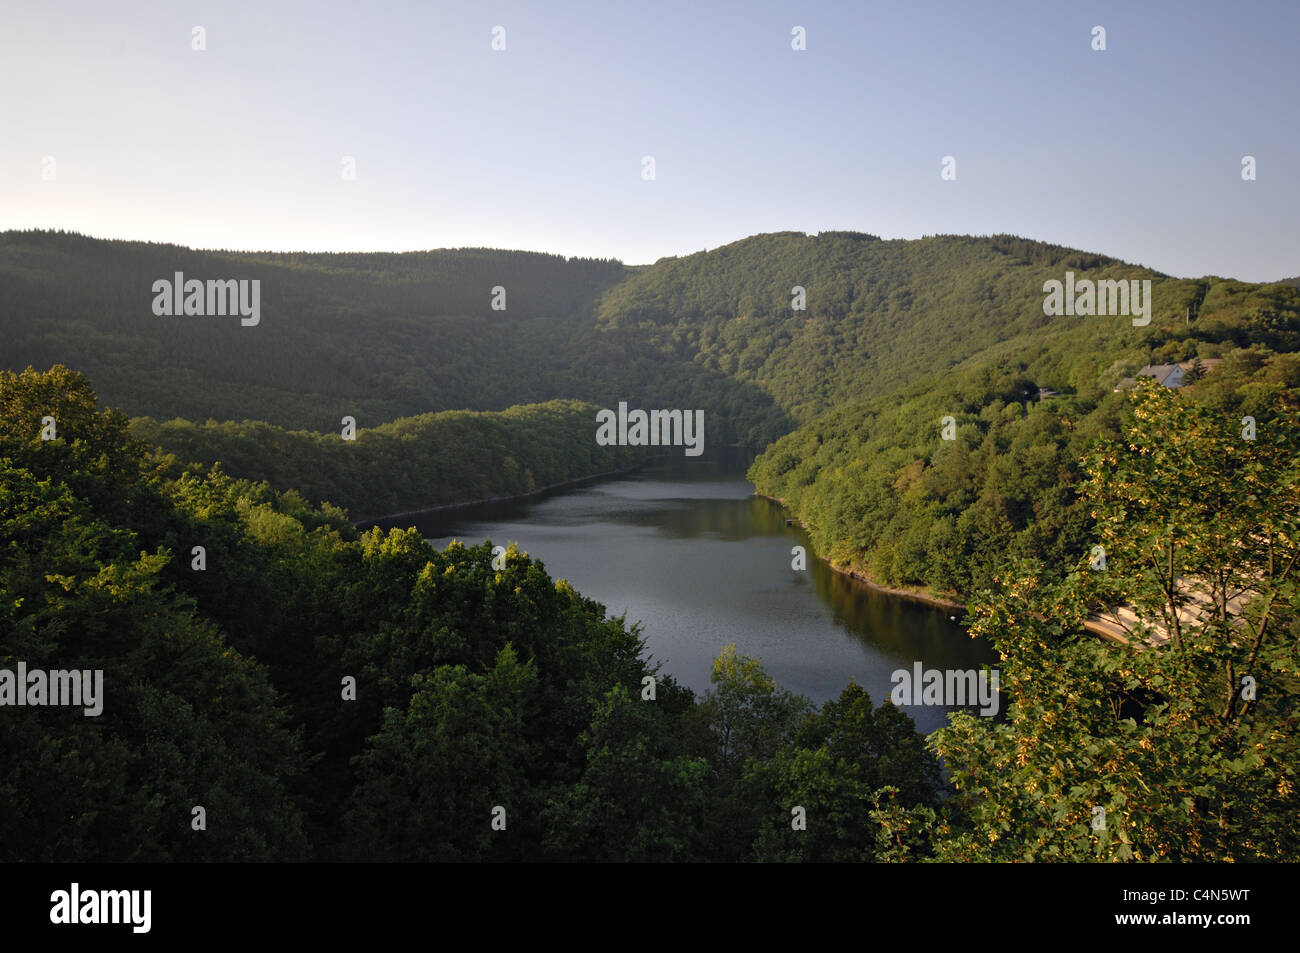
[[382, 336], [922, 416], [411, 463], [881, 315], [387, 335], [377, 336], [938, 484], [899, 335]]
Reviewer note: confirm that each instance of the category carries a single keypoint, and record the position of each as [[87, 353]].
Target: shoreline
[[941, 602], [518, 497], [1096, 626]]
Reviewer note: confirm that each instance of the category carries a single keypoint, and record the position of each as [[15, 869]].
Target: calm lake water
[[685, 548]]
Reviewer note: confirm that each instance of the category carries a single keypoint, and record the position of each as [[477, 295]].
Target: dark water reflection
[[684, 547]]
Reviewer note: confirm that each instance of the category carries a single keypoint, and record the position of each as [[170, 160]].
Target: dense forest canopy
[[477, 685], [376, 337], [882, 492], [326, 694], [408, 464], [946, 322], [920, 414], [382, 336]]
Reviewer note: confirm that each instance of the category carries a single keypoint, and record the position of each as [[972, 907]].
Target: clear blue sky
[[1134, 152]]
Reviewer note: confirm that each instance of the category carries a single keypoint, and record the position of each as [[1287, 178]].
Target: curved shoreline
[[1096, 626], [518, 497], [860, 577]]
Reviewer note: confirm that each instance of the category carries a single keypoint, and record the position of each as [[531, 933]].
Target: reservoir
[[683, 547]]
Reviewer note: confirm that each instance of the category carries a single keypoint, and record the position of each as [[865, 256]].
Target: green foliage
[[409, 464], [773, 752], [880, 490], [185, 719], [639, 797], [374, 336], [880, 314], [943, 325], [480, 687], [1159, 732], [839, 760], [751, 717], [476, 687], [458, 746]]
